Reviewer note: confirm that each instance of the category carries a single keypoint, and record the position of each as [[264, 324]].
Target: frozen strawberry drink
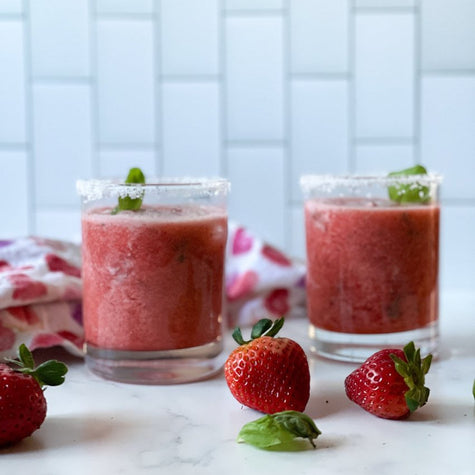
[[153, 284], [372, 277]]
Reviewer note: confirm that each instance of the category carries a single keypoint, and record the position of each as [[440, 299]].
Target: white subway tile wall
[[254, 5], [189, 33], [125, 6], [260, 91], [254, 77], [448, 135], [16, 190], [191, 129], [384, 75], [373, 157], [257, 175], [125, 81], [11, 6], [319, 128], [448, 35], [323, 48], [59, 34], [13, 113], [62, 142]]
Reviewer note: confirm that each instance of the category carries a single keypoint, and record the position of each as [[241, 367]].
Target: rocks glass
[[373, 263], [153, 279]]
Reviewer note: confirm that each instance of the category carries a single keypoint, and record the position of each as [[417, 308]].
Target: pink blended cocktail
[[372, 265], [153, 278]]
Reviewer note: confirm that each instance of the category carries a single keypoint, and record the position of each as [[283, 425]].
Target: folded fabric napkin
[[40, 295], [41, 289], [261, 281]]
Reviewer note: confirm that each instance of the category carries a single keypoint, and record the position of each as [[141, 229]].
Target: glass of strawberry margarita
[[153, 279], [372, 263]]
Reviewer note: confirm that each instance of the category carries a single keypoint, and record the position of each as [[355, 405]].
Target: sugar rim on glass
[[330, 182], [95, 189]]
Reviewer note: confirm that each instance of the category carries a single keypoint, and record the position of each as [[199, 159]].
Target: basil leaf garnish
[[409, 192], [127, 203]]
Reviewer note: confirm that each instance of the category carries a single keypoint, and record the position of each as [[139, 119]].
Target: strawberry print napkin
[[41, 290], [40, 295], [261, 281]]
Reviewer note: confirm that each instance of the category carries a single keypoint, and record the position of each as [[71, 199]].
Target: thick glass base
[[359, 347], [156, 367]]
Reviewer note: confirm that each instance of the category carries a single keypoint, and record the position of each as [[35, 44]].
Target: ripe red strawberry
[[22, 402], [266, 373], [390, 383]]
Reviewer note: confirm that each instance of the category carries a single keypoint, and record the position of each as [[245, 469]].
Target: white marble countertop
[[101, 427]]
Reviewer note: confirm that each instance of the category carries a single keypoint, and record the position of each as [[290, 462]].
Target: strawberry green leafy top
[[413, 371], [49, 373], [263, 327]]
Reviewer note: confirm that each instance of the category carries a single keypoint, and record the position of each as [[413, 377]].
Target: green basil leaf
[[279, 431], [264, 432], [409, 193], [135, 176]]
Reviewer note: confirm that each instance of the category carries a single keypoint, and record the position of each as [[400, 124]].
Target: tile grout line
[[255, 13], [351, 121], [190, 78], [255, 143], [287, 118], [136, 146], [384, 140], [222, 90], [63, 80], [29, 124], [417, 98], [158, 83], [17, 146], [128, 16], [447, 72], [12, 17], [384, 10], [94, 90], [320, 76]]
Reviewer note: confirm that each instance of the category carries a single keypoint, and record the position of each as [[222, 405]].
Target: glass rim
[[310, 181], [98, 188]]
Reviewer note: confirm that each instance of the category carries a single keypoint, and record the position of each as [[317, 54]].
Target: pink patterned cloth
[[261, 281], [40, 295], [41, 291]]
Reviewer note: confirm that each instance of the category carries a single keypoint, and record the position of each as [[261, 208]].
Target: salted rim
[[95, 189], [329, 182]]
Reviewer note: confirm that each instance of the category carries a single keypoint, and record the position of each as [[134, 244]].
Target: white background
[[259, 91]]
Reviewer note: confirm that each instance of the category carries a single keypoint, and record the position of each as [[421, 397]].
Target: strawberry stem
[[260, 328], [275, 328], [263, 327], [49, 373], [413, 370]]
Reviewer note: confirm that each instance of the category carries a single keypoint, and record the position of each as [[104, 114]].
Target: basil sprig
[[127, 203], [409, 192]]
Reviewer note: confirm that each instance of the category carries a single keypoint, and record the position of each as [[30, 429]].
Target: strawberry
[[22, 402], [266, 373], [390, 383]]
